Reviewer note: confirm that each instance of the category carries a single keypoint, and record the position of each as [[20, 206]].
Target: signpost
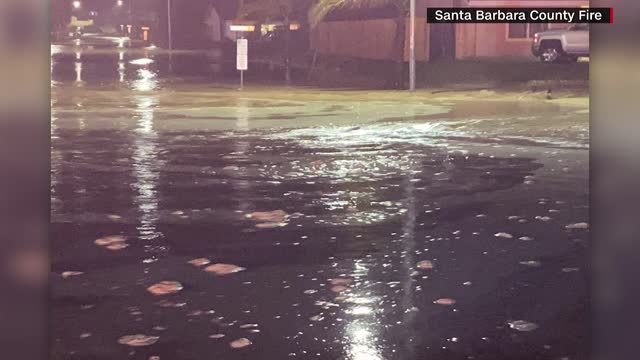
[[242, 48], [242, 62]]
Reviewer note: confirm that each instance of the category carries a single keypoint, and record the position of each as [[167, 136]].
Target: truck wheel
[[550, 54]]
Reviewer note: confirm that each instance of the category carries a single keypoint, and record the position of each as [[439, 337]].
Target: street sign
[[242, 61]]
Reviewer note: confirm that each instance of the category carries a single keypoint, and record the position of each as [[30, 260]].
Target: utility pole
[[412, 45], [170, 30]]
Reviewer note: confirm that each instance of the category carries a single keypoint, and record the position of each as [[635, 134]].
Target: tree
[[323, 7], [276, 10]]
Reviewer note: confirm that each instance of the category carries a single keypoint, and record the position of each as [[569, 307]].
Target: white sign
[[242, 61]]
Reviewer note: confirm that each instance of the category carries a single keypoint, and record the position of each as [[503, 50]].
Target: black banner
[[520, 15]]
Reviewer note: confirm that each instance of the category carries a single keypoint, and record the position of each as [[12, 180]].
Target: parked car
[[562, 45]]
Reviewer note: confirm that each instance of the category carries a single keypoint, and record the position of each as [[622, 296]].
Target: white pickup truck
[[562, 45]]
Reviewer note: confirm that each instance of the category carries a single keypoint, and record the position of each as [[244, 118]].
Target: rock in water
[[445, 301], [425, 264], [504, 235], [240, 343], [581, 225], [522, 325], [223, 269], [165, 288], [138, 340], [200, 262]]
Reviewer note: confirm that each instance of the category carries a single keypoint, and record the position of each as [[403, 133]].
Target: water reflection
[[147, 80], [408, 265], [78, 68], [362, 332], [55, 49], [121, 71], [121, 66], [242, 147], [146, 168]]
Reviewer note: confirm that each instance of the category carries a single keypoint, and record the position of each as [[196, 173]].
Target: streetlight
[[77, 4], [120, 3]]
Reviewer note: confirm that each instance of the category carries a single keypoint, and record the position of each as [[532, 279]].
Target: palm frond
[[323, 7], [267, 10]]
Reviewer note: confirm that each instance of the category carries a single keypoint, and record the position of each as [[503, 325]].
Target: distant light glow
[[247, 28], [120, 3], [77, 4]]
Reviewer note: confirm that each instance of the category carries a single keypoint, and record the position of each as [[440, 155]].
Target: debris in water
[[248, 326], [114, 242], [216, 336], [581, 225], [108, 240], [165, 288], [339, 288], [531, 263], [240, 343], [445, 301], [223, 269], [425, 264], [170, 304], [67, 274], [271, 225], [503, 235], [525, 238], [316, 318], [138, 340], [200, 262], [543, 218], [522, 325], [570, 269], [466, 283], [341, 281], [276, 216], [117, 246]]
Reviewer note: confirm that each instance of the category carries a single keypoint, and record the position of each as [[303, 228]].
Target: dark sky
[[226, 8]]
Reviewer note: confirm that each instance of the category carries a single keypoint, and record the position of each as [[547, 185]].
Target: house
[[371, 34], [504, 40], [201, 24]]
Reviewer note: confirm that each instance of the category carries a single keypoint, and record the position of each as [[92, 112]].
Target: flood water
[[363, 225]]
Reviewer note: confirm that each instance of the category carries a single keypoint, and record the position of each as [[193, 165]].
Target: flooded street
[[300, 223]]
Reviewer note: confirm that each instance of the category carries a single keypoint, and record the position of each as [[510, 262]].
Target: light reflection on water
[[362, 331], [78, 68], [146, 172], [147, 80], [241, 150]]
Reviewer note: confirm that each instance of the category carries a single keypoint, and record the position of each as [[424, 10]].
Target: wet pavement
[[354, 225]]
